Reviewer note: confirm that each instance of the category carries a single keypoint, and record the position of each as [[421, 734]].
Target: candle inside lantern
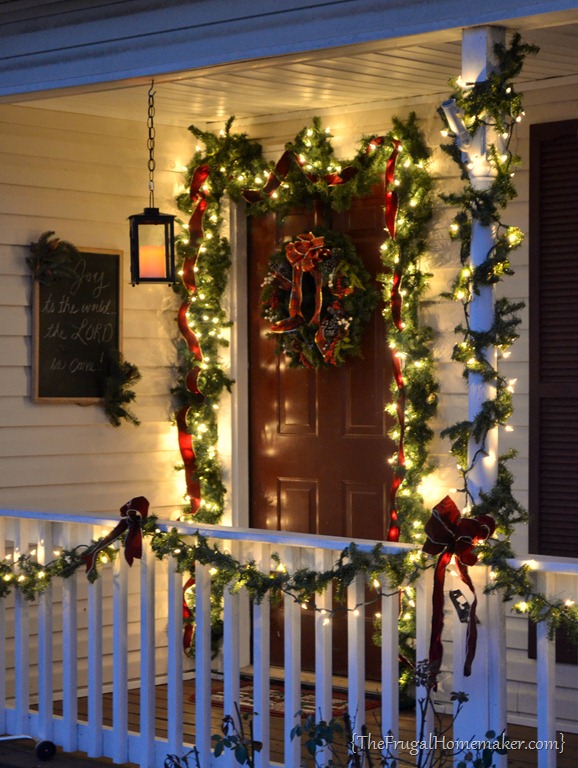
[[152, 261]]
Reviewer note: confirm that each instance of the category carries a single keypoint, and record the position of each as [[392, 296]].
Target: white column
[[478, 60]]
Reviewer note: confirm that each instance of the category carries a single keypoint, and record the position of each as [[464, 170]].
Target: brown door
[[318, 444]]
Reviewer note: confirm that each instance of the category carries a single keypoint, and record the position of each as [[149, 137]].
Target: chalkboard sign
[[77, 322]]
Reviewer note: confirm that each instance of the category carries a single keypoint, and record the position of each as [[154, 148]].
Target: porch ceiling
[[399, 71]]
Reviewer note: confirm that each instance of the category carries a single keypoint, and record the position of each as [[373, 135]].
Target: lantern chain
[[151, 145]]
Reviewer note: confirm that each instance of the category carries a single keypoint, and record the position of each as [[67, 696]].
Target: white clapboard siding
[[82, 177]]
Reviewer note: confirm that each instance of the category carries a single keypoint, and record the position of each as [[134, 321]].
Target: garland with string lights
[[205, 261], [414, 386], [30, 578], [494, 103], [306, 172]]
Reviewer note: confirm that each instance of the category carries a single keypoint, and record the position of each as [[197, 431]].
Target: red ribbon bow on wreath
[[451, 535], [132, 515], [304, 255]]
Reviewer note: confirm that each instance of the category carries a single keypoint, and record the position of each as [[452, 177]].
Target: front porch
[[99, 668]]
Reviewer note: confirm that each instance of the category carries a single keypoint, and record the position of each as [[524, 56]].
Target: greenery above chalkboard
[[52, 259], [77, 306]]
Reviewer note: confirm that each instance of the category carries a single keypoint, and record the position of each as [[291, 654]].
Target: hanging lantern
[[152, 237]]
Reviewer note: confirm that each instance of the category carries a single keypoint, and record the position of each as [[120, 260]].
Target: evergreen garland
[[117, 395], [308, 172], [52, 259]]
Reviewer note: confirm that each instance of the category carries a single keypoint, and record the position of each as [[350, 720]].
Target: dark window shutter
[[554, 338]]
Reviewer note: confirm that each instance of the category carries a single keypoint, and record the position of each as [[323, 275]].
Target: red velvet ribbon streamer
[[132, 515], [189, 458], [391, 201], [283, 165], [451, 535], [188, 625], [395, 300], [391, 207], [304, 255], [199, 198]]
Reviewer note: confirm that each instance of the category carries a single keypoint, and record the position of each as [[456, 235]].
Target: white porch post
[[486, 686]]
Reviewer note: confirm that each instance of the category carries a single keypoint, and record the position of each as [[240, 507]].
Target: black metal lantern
[[152, 247], [152, 235]]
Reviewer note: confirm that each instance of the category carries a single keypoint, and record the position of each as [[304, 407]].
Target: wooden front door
[[318, 444]]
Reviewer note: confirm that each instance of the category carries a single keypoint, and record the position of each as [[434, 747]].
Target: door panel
[[318, 444]]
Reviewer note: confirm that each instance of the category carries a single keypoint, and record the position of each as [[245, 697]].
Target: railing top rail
[[88, 518], [547, 564], [288, 538], [542, 563]]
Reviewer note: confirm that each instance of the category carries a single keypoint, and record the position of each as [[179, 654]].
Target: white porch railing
[[125, 630]]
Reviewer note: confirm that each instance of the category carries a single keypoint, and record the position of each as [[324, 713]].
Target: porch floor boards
[[21, 754]]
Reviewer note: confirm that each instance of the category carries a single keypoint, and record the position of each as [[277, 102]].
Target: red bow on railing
[[132, 515], [451, 535]]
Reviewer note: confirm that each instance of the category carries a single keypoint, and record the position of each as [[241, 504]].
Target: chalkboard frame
[[40, 292]]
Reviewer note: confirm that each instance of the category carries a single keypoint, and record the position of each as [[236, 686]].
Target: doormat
[[277, 700]]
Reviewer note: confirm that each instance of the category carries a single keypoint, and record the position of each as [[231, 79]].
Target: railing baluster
[[203, 663], [147, 658], [120, 660], [231, 659], [21, 638], [323, 641], [45, 655], [261, 666], [69, 652], [497, 668], [545, 682], [423, 611], [94, 747], [389, 664], [175, 660], [292, 659], [356, 651]]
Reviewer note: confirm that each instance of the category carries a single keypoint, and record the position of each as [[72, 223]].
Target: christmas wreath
[[317, 296]]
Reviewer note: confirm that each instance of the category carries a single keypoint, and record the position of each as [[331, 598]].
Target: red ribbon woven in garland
[[283, 165], [188, 625], [391, 201], [451, 535], [199, 198], [391, 207], [132, 515]]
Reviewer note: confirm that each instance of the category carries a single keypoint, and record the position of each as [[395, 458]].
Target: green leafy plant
[[233, 737], [332, 744], [117, 394]]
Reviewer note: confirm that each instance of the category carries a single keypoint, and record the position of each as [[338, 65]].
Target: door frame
[[235, 422]]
